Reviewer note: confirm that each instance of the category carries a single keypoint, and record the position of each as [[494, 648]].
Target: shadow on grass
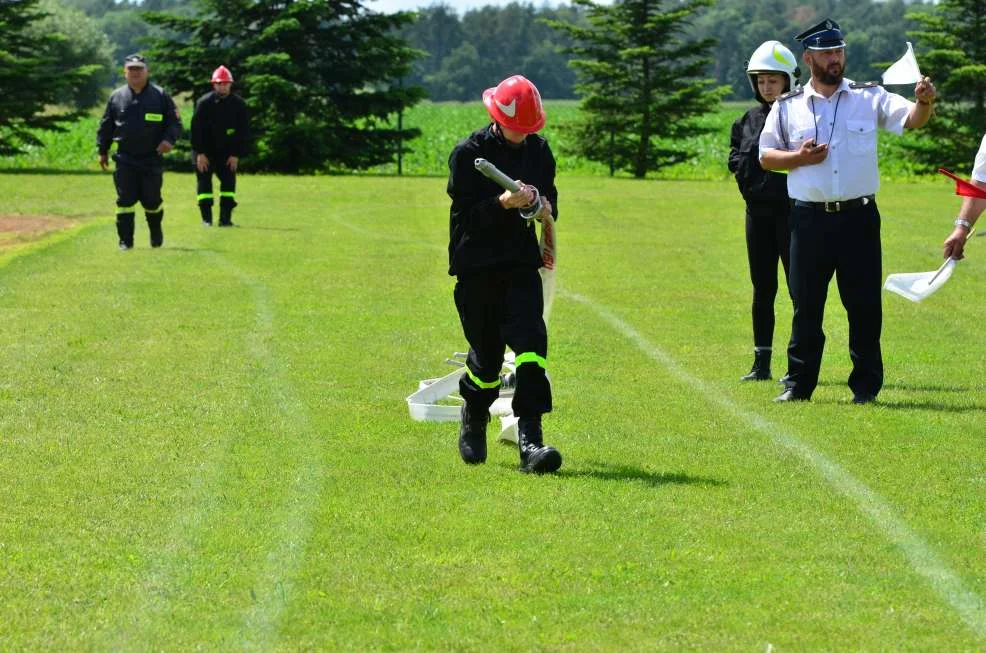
[[610, 472], [906, 387]]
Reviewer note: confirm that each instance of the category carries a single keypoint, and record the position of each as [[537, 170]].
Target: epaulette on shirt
[[856, 85], [790, 94]]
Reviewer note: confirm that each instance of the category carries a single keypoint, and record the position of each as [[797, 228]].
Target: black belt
[[838, 206]]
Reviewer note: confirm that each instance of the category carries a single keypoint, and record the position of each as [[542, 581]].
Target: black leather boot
[[472, 436], [534, 455], [154, 219], [206, 211], [761, 366], [225, 215], [125, 230]]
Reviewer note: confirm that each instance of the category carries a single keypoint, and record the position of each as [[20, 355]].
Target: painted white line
[[920, 554]]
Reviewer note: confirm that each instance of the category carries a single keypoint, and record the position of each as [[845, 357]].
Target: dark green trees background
[[322, 78]]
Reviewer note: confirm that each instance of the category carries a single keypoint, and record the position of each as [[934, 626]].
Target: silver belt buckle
[[829, 207]]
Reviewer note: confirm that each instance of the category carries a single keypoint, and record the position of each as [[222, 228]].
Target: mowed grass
[[207, 446]]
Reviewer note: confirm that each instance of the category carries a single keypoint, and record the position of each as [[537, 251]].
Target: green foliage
[[875, 33], [206, 446], [640, 83], [32, 77], [953, 41], [322, 79], [81, 45]]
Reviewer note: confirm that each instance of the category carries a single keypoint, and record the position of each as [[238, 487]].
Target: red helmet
[[516, 104], [221, 75]]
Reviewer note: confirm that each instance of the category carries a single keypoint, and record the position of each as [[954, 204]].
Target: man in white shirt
[[825, 135], [972, 208]]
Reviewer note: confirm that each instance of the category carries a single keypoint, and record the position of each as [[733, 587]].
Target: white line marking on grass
[[922, 557], [292, 521], [275, 583]]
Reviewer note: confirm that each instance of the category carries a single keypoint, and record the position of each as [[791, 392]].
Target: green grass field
[[207, 446]]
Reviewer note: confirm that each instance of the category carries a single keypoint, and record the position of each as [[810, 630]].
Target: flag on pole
[[962, 187], [905, 70]]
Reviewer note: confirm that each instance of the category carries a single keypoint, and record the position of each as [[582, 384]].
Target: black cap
[[134, 61], [824, 36]]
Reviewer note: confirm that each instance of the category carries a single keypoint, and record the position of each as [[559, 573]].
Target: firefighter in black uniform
[[494, 254], [219, 138], [144, 123], [772, 70]]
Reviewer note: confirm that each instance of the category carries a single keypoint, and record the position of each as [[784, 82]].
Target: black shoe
[[863, 398], [124, 246], [789, 395], [783, 380], [226, 224], [472, 437], [756, 375], [207, 223], [761, 366], [535, 456]]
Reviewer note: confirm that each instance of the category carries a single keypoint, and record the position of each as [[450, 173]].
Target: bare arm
[[972, 208]]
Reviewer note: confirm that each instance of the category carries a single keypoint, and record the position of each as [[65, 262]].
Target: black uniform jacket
[[482, 234], [220, 126], [756, 184], [138, 122]]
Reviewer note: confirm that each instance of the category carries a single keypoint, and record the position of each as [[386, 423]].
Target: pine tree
[[951, 47], [641, 82], [322, 78], [32, 79]]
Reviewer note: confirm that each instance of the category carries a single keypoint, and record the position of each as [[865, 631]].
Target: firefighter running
[[494, 255]]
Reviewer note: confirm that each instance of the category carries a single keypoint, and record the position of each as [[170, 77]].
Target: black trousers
[[768, 239], [227, 182], [138, 182], [846, 244], [498, 309]]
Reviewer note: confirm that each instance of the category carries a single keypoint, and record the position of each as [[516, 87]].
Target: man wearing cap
[[825, 135], [494, 255], [144, 123], [219, 140]]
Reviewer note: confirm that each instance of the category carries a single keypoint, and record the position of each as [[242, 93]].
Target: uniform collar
[[810, 88]]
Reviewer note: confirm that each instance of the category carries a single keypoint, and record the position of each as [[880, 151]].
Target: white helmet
[[772, 57]]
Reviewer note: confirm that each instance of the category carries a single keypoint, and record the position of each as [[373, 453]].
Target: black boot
[[225, 215], [534, 455], [125, 230], [761, 366], [154, 219], [206, 211], [472, 436]]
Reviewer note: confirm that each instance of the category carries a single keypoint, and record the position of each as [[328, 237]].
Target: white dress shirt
[[979, 169], [848, 123]]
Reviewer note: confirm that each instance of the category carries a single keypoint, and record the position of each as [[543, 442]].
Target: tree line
[[325, 79]]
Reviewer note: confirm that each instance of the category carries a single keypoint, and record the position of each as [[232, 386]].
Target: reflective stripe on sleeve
[[153, 117]]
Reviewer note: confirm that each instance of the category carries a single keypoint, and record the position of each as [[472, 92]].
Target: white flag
[[905, 70]]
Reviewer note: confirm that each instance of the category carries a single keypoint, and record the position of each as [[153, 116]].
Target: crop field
[[207, 446], [443, 124]]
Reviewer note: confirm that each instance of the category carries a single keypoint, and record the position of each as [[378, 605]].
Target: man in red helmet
[[220, 133], [493, 253]]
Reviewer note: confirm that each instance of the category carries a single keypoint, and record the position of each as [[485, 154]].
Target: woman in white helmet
[[772, 71]]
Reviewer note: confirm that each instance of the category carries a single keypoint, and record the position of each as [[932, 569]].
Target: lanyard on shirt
[[834, 116]]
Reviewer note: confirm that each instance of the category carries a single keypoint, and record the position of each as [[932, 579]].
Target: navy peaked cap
[[824, 36]]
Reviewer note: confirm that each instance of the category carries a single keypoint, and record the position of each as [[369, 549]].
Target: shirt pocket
[[800, 134], [862, 136]]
